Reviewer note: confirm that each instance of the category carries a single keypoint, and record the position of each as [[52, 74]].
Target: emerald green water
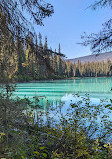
[[57, 91], [60, 93]]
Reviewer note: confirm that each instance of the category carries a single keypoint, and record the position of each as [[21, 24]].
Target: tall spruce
[[40, 42], [60, 69], [55, 62]]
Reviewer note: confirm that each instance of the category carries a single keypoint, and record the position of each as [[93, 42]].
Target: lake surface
[[62, 91], [57, 91]]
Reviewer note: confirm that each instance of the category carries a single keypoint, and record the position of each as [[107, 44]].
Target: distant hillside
[[93, 58]]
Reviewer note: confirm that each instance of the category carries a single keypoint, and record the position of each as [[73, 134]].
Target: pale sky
[[70, 20]]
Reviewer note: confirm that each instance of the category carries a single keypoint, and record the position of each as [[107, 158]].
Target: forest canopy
[[13, 11], [19, 48]]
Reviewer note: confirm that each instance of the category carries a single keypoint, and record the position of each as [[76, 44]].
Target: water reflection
[[55, 93], [55, 90]]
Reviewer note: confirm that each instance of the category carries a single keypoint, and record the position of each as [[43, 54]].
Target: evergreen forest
[[31, 60], [27, 131]]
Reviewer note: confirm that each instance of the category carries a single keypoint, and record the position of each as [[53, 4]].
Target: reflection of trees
[[64, 87]]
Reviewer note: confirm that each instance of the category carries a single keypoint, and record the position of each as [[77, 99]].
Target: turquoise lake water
[[63, 91], [57, 91]]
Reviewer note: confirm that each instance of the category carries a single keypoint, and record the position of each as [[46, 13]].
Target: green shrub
[[69, 137]]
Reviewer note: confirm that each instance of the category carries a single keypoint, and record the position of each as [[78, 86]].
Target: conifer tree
[[46, 51], [20, 54], [101, 41], [45, 45], [71, 71], [40, 42], [60, 69], [68, 68], [13, 10], [55, 66], [36, 47]]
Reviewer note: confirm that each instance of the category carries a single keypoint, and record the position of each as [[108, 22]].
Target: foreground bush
[[78, 133]]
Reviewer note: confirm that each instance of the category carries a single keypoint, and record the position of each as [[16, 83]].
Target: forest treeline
[[23, 57], [30, 59], [27, 58], [89, 69]]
